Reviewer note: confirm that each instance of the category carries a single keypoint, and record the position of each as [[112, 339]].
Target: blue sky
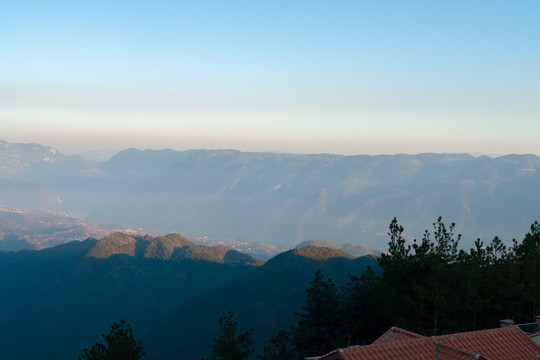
[[349, 77]]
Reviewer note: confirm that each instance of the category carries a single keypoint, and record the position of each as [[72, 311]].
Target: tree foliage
[[360, 300], [119, 344], [433, 287], [281, 348], [318, 326], [230, 346], [428, 286]]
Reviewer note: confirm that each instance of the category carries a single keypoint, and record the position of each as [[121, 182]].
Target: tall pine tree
[[119, 344], [319, 326], [230, 346], [361, 299]]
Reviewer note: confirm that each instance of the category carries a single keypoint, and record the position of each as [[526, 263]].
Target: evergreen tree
[[440, 263], [281, 348], [418, 283], [361, 299], [319, 325], [483, 277], [527, 262], [119, 344], [398, 279], [398, 251], [230, 346]]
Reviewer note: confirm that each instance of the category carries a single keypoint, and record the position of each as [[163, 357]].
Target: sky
[[346, 77]]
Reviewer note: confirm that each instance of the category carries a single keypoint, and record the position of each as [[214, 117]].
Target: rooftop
[[509, 343]]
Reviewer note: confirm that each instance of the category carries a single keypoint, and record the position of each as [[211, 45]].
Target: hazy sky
[[345, 77]]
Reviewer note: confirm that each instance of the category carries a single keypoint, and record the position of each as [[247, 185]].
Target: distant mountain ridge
[[169, 247], [17, 159], [282, 199], [355, 250], [39, 229]]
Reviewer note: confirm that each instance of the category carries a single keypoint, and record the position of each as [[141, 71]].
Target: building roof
[[509, 343], [421, 348], [500, 343], [397, 334]]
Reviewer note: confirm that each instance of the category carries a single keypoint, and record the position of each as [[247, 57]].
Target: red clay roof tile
[[420, 348], [509, 343], [397, 334], [500, 343]]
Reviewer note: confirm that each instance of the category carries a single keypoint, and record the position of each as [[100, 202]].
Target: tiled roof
[[509, 343], [500, 343], [396, 334], [421, 348]]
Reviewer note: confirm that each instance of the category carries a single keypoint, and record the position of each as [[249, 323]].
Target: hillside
[[64, 297], [265, 300], [39, 229], [351, 249], [172, 247]]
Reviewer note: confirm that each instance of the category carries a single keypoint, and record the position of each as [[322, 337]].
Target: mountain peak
[[169, 247], [114, 244], [355, 250], [320, 253]]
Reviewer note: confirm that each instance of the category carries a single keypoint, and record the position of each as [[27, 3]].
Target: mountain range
[[171, 290], [39, 229], [278, 199]]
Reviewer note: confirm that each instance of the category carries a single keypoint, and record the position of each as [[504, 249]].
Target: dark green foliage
[[361, 299], [398, 277], [265, 300], [281, 348], [59, 293], [119, 345], [432, 287], [319, 324], [482, 286], [419, 281], [527, 261], [197, 252], [425, 286], [436, 261], [236, 257], [230, 346], [330, 319]]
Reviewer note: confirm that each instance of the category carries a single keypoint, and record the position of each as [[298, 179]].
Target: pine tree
[[319, 325], [398, 279], [361, 298], [281, 348], [527, 257], [119, 344], [230, 346]]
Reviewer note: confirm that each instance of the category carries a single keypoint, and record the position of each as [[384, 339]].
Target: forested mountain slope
[[64, 297], [265, 300], [171, 290]]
